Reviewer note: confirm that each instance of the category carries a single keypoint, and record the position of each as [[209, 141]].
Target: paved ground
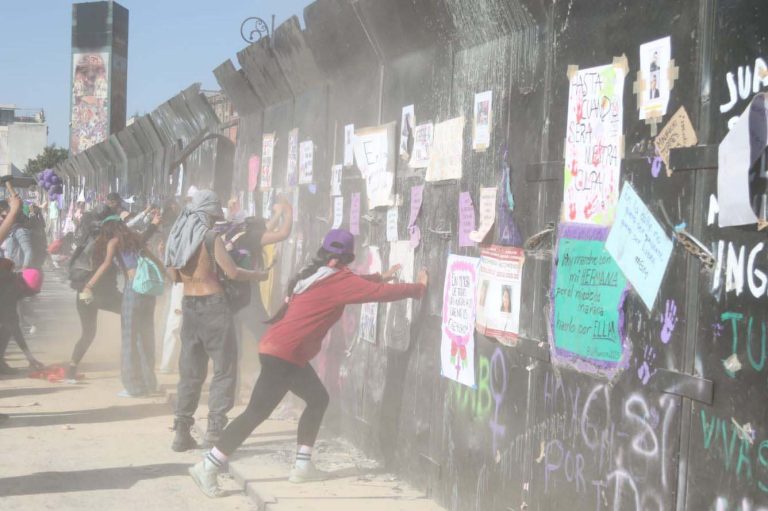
[[82, 447]]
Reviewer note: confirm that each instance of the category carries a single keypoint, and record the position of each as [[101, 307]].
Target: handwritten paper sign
[[447, 150], [457, 348], [338, 211], [392, 214], [498, 293], [354, 214], [397, 328], [253, 172], [417, 194], [587, 293], [481, 122], [372, 153], [292, 171], [593, 145], [306, 150], [349, 137], [678, 132], [487, 214], [466, 219], [369, 312], [422, 146], [267, 158], [267, 201], [639, 245], [336, 180]]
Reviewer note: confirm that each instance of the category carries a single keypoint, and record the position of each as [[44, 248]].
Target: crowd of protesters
[[200, 261]]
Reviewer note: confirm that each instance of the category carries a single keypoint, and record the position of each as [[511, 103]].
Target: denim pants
[[137, 367], [207, 332]]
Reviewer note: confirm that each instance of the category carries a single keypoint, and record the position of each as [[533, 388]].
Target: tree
[[48, 159]]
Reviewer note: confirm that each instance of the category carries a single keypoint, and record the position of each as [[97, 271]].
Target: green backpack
[[149, 280]]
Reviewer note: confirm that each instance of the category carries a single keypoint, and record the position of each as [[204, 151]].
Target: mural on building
[[90, 100]]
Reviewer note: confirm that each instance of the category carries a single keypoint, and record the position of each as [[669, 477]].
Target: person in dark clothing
[[316, 299]]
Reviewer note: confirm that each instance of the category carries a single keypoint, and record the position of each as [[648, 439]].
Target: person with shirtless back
[[207, 328]]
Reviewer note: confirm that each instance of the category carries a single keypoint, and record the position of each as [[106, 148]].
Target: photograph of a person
[[506, 299], [482, 293]]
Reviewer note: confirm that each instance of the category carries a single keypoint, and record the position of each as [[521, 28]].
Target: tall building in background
[[23, 136], [99, 72]]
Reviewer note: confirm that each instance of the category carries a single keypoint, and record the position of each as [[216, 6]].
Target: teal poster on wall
[[587, 295]]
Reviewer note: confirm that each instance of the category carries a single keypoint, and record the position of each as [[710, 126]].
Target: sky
[[171, 45]]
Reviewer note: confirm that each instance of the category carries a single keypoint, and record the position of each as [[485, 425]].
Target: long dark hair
[[127, 240], [322, 258]]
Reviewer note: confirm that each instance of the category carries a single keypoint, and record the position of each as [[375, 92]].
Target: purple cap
[[339, 241]]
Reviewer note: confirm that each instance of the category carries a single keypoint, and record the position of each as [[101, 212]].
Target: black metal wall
[[530, 436]]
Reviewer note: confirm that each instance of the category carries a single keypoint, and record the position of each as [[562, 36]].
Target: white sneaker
[[308, 474], [206, 479]]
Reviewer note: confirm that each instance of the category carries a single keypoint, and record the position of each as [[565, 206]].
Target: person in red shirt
[[315, 300]]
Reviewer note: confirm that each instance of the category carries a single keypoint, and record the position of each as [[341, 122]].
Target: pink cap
[[33, 278]]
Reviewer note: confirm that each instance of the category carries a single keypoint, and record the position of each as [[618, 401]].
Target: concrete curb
[[261, 500]]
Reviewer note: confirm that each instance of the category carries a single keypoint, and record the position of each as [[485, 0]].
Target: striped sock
[[303, 457], [212, 461]]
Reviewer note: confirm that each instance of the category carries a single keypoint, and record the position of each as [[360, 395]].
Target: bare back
[[199, 276]]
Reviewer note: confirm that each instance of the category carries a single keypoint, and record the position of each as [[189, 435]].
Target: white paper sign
[[369, 312], [639, 245], [336, 173], [349, 137], [292, 170], [487, 214], [306, 150], [654, 75], [372, 153], [498, 293], [740, 148], [447, 150], [422, 146], [392, 216], [267, 159], [457, 348], [338, 211], [481, 124]]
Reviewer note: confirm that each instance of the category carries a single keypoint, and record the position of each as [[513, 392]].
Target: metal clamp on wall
[[685, 385], [693, 158]]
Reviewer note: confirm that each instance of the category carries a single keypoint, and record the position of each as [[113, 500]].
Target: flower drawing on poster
[[267, 153], [292, 171], [306, 150], [653, 96], [593, 145], [457, 348]]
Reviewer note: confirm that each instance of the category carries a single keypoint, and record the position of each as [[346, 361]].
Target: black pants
[[107, 300], [276, 379], [207, 331]]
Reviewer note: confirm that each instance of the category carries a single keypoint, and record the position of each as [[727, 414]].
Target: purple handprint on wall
[[669, 321]]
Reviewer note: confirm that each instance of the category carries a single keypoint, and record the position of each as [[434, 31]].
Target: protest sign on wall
[[397, 328], [639, 245], [338, 211], [498, 293], [588, 291], [392, 214], [457, 348], [655, 85], [466, 219], [593, 145], [354, 214], [373, 147], [482, 120], [292, 171], [447, 150], [414, 233], [422, 146], [487, 214], [369, 312], [306, 154], [267, 158], [254, 164], [349, 136], [336, 171]]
